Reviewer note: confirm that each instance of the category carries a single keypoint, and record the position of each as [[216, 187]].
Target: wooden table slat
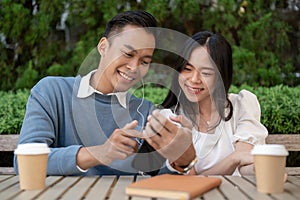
[[4, 177], [10, 192], [101, 188], [118, 191], [291, 189], [294, 180], [9, 182], [30, 194], [248, 188], [213, 194], [78, 191], [231, 191], [251, 179], [285, 195], [58, 189], [110, 188]]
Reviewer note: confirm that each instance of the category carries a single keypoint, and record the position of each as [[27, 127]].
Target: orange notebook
[[172, 186]]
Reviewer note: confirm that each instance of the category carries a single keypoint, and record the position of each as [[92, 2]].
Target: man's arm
[[40, 126]]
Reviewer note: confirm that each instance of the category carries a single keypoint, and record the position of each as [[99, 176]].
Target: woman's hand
[[182, 120], [244, 158], [247, 169], [171, 141]]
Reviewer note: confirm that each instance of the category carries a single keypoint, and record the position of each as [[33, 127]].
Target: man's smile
[[125, 76]]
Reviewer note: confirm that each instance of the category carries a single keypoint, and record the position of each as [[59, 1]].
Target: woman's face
[[198, 76]]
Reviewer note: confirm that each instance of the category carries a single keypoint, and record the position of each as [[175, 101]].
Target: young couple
[[93, 125]]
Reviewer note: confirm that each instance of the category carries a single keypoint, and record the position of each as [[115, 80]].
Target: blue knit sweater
[[56, 116]]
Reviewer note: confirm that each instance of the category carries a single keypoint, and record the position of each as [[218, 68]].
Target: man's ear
[[102, 46]]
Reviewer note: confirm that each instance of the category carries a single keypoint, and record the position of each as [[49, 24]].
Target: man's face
[[125, 59]]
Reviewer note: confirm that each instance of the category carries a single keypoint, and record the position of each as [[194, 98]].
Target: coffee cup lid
[[270, 149], [32, 149]]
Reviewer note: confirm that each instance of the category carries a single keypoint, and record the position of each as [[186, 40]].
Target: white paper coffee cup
[[32, 161], [269, 161]]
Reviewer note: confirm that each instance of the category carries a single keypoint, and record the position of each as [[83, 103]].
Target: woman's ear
[[102, 46]]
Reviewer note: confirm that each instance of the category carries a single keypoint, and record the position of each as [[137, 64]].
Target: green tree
[[54, 37], [29, 34]]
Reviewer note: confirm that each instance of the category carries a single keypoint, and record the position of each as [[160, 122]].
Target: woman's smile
[[194, 90]]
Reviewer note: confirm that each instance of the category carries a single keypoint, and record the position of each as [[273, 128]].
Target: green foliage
[[259, 38], [28, 77], [87, 57], [12, 110], [90, 62], [11, 11], [244, 64], [280, 106], [155, 7], [153, 94], [36, 31], [289, 77], [269, 68], [58, 70]]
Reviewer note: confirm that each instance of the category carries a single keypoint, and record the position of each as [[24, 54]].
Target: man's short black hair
[[138, 18]]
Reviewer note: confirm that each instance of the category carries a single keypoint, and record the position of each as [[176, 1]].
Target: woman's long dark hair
[[221, 55]]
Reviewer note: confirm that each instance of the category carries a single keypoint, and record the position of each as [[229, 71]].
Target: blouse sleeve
[[246, 114]]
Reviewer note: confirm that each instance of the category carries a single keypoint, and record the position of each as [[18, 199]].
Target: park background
[[41, 38]]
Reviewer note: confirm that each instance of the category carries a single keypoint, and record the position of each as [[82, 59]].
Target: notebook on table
[[173, 186]]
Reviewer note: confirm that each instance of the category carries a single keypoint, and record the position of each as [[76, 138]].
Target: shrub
[[280, 106], [153, 94], [12, 110]]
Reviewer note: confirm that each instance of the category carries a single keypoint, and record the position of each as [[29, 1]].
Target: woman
[[225, 126]]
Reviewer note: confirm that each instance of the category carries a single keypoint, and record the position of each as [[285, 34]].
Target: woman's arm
[[241, 158], [245, 168]]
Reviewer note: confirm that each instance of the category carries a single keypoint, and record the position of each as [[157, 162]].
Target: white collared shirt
[[85, 90]]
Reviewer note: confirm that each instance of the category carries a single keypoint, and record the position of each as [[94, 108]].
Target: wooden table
[[111, 187]]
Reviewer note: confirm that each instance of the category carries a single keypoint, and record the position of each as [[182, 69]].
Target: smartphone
[[148, 160]]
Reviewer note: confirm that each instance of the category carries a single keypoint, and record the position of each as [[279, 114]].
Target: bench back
[[8, 143], [291, 141]]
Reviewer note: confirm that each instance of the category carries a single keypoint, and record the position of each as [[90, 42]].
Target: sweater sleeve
[[40, 126]]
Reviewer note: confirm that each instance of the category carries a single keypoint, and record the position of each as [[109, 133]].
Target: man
[[89, 122], [75, 116]]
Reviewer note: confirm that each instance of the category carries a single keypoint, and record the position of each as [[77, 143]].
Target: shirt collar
[[86, 90]]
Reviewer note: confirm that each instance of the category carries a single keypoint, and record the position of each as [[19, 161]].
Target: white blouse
[[244, 126]]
